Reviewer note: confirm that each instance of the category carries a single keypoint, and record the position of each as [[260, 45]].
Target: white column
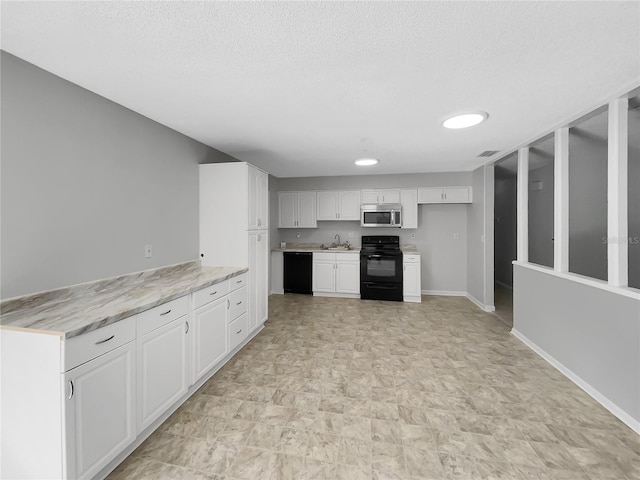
[[561, 201], [523, 205], [617, 202]]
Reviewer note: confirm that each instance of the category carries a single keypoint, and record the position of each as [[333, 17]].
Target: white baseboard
[[445, 293], [624, 417], [479, 304]]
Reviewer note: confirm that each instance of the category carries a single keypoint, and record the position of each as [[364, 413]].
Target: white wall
[[444, 259], [86, 183]]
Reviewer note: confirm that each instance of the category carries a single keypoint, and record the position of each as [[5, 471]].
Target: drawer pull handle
[[105, 340], [239, 281], [238, 332], [239, 303], [186, 327], [214, 292], [228, 304], [71, 389], [165, 313]]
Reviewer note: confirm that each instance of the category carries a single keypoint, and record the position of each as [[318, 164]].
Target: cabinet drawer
[[238, 303], [209, 294], [238, 282], [348, 257], [83, 348], [411, 258], [238, 330], [324, 256], [153, 318]]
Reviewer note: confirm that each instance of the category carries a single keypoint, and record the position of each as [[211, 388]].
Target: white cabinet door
[[457, 195], [409, 201], [327, 205], [389, 196], [287, 209], [162, 370], [349, 205], [253, 193], [210, 336], [369, 196], [347, 277], [99, 411], [307, 210], [258, 285], [262, 199], [430, 195], [324, 276], [411, 280]]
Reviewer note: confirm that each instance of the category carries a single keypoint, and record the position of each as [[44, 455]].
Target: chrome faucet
[[338, 237]]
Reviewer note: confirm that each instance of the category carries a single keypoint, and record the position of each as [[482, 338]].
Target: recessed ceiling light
[[366, 161], [465, 120]]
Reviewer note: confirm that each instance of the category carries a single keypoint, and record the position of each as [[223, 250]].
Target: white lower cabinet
[[163, 373], [411, 284], [336, 274], [99, 411], [258, 281], [99, 392], [209, 336]]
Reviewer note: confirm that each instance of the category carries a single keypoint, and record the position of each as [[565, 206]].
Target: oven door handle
[[374, 256]]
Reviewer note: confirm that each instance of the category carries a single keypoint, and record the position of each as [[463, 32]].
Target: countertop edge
[[127, 312]]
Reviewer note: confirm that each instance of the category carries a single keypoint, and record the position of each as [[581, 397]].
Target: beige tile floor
[[347, 389]]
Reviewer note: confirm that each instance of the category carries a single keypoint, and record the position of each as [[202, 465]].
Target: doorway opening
[[505, 231]]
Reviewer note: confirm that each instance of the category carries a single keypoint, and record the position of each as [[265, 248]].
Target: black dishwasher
[[297, 272]]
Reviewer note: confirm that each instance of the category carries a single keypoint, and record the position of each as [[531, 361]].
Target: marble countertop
[[79, 309], [317, 247], [314, 247]]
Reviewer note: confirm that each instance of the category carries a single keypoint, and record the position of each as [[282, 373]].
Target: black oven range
[[381, 268]]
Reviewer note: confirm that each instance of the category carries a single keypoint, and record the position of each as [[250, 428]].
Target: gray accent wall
[[592, 332], [86, 183], [480, 237], [443, 258]]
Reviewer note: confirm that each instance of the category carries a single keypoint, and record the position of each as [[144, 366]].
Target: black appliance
[[381, 268], [298, 268]]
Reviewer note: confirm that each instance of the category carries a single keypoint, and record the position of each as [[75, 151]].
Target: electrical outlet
[[148, 252], [297, 234], [413, 234], [351, 234]]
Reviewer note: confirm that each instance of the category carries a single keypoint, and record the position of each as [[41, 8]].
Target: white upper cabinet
[[339, 205], [381, 196], [445, 195], [297, 210], [409, 202], [258, 186]]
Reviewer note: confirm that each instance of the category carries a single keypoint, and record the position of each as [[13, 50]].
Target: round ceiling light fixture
[[363, 162], [464, 120]]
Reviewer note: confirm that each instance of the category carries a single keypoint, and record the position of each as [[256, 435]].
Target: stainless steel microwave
[[387, 215]]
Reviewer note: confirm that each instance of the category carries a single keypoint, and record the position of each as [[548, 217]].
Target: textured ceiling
[[304, 88]]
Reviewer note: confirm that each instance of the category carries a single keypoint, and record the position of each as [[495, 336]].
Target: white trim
[[592, 282], [445, 293], [522, 193], [604, 100], [479, 304], [561, 201], [617, 171], [337, 295], [590, 390]]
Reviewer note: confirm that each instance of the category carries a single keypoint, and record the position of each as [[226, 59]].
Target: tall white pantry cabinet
[[234, 227]]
